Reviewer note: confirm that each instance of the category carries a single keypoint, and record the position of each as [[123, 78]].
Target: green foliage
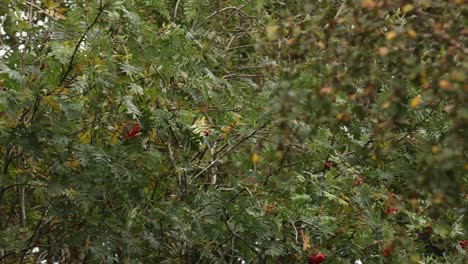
[[164, 131]]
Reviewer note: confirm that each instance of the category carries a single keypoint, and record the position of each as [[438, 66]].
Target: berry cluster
[[463, 243], [329, 164], [390, 204], [389, 251], [134, 131], [317, 258]]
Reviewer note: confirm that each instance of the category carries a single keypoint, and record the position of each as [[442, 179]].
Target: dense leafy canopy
[[241, 131]]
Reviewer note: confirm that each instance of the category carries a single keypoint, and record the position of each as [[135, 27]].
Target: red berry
[[329, 164], [391, 210], [206, 132]]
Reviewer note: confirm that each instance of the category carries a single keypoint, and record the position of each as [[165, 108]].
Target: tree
[[253, 131]]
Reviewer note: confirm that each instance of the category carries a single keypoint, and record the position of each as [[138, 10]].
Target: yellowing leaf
[[115, 138], [305, 240], [201, 127], [391, 35], [445, 85], [407, 8], [54, 14], [65, 91], [255, 157], [383, 51], [340, 116], [412, 33], [321, 45], [53, 5], [226, 128], [50, 100], [272, 31], [54, 10], [326, 90], [416, 101], [436, 150], [85, 136], [202, 120], [291, 41], [74, 163], [438, 199], [368, 4], [457, 75]]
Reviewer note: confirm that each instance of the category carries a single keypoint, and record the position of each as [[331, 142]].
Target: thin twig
[[41, 10], [212, 15], [295, 231], [237, 10], [416, 126], [342, 6], [175, 10]]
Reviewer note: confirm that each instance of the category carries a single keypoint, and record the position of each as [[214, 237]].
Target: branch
[[23, 184], [236, 9], [80, 41], [9, 158], [230, 149], [212, 15], [175, 9]]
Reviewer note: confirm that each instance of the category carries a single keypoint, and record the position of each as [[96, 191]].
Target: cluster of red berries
[[388, 251], [463, 243], [358, 181], [329, 164], [317, 258], [390, 208], [134, 131]]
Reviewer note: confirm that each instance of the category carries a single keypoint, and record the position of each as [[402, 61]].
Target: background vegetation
[[240, 131]]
